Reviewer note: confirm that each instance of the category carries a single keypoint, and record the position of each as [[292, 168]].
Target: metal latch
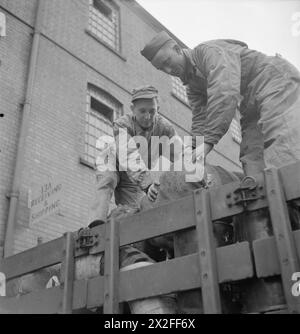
[[248, 192], [86, 239]]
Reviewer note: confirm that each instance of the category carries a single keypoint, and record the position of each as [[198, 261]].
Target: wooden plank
[[161, 278], [286, 249], [43, 256], [157, 221], [155, 280], [80, 294], [46, 301], [68, 268], [153, 222], [207, 253], [234, 262], [266, 258], [290, 180], [2, 285], [111, 269]]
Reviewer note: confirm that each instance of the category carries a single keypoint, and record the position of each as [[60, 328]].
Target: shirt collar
[[139, 131]]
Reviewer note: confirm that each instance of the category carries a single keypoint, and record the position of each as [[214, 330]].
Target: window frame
[[112, 5], [176, 81], [110, 103], [103, 5]]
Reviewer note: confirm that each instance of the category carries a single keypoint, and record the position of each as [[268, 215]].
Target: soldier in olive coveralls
[[131, 186], [225, 75], [221, 77]]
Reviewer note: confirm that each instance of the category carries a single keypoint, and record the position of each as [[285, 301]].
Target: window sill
[[179, 99], [98, 39], [85, 163]]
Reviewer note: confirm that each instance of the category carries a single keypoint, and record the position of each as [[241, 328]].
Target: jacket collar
[[139, 131], [191, 67]]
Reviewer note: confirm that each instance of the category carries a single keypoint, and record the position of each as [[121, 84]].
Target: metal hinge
[[248, 192], [86, 239]]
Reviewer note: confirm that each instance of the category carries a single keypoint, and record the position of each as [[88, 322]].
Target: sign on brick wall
[[45, 200], [2, 25]]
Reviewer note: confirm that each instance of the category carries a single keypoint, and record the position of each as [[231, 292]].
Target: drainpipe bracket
[[15, 194]]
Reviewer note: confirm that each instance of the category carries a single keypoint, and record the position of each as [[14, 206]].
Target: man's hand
[[144, 179], [153, 191]]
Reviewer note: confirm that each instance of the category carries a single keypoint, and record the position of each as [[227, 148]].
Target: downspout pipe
[[25, 123]]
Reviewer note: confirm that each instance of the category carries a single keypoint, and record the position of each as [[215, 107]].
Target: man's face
[[144, 111], [170, 59]]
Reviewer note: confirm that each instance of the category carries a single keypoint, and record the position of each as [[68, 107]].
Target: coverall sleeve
[[129, 157], [222, 68], [176, 147], [198, 103]]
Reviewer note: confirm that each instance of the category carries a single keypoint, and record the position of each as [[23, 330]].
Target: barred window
[[235, 129], [104, 22], [179, 90], [102, 110]]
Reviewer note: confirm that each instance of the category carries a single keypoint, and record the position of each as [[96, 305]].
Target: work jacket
[[145, 155], [225, 75]]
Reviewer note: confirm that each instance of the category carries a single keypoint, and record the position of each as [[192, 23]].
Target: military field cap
[[144, 92], [151, 49]]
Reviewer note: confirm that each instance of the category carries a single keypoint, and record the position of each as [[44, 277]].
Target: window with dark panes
[[104, 22], [101, 111], [179, 90]]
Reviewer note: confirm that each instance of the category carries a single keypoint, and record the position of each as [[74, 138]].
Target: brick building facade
[[87, 62]]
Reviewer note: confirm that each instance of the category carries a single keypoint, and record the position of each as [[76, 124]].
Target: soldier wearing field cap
[[223, 76], [129, 185]]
